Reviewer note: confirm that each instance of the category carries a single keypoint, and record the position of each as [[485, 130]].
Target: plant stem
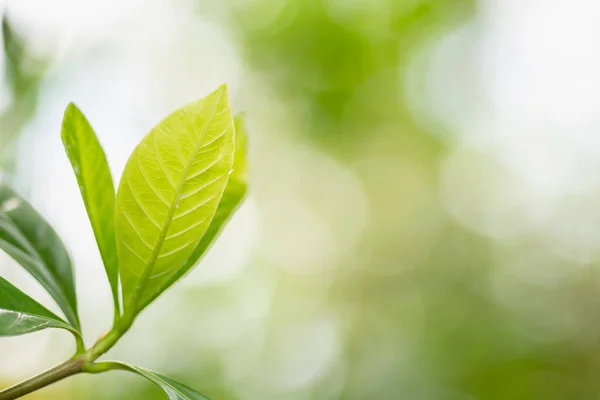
[[101, 367], [103, 345], [61, 371], [117, 311], [81, 362], [79, 343]]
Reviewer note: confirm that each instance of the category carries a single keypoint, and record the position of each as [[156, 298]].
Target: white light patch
[[11, 204]]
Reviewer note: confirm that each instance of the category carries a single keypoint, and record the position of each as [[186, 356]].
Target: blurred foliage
[[23, 74], [342, 63]]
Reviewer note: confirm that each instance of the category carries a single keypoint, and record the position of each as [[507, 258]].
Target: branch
[[79, 363], [61, 371]]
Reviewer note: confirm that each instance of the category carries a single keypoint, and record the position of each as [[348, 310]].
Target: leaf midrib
[[165, 228], [9, 327], [55, 319]]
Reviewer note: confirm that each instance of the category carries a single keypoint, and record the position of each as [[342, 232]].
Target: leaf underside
[[169, 193], [233, 195], [96, 185], [20, 314], [31, 241]]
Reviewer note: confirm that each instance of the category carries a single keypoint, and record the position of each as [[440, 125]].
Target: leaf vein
[[146, 213], [189, 228], [135, 228], [176, 250], [197, 206], [160, 164], [193, 192], [149, 184], [212, 164]]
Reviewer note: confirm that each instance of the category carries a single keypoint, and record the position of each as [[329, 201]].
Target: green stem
[[82, 362], [79, 343], [64, 370], [117, 311], [110, 339], [101, 367]]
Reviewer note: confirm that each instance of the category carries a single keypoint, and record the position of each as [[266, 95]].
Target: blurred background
[[424, 215]]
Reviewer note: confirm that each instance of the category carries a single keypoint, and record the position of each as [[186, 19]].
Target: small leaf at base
[[20, 314], [174, 390], [31, 241]]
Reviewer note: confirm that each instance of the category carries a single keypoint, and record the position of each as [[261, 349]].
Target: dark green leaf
[[96, 186], [20, 314], [31, 241], [169, 193]]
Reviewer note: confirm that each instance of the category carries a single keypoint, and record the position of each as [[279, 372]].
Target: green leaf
[[234, 193], [31, 241], [173, 390], [20, 314], [97, 189], [169, 193]]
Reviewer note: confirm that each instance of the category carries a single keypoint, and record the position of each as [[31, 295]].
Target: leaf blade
[[31, 241], [174, 390], [169, 193], [234, 194], [96, 186], [20, 314]]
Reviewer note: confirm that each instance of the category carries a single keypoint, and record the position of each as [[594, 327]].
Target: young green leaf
[[20, 314], [169, 193], [232, 198], [96, 185], [31, 241], [173, 390]]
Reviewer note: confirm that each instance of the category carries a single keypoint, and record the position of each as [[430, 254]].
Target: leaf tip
[[71, 109], [221, 92], [6, 31], [222, 88]]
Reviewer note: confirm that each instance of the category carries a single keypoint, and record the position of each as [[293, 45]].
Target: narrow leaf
[[31, 241], [233, 195], [20, 314], [169, 193], [174, 390], [96, 185]]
